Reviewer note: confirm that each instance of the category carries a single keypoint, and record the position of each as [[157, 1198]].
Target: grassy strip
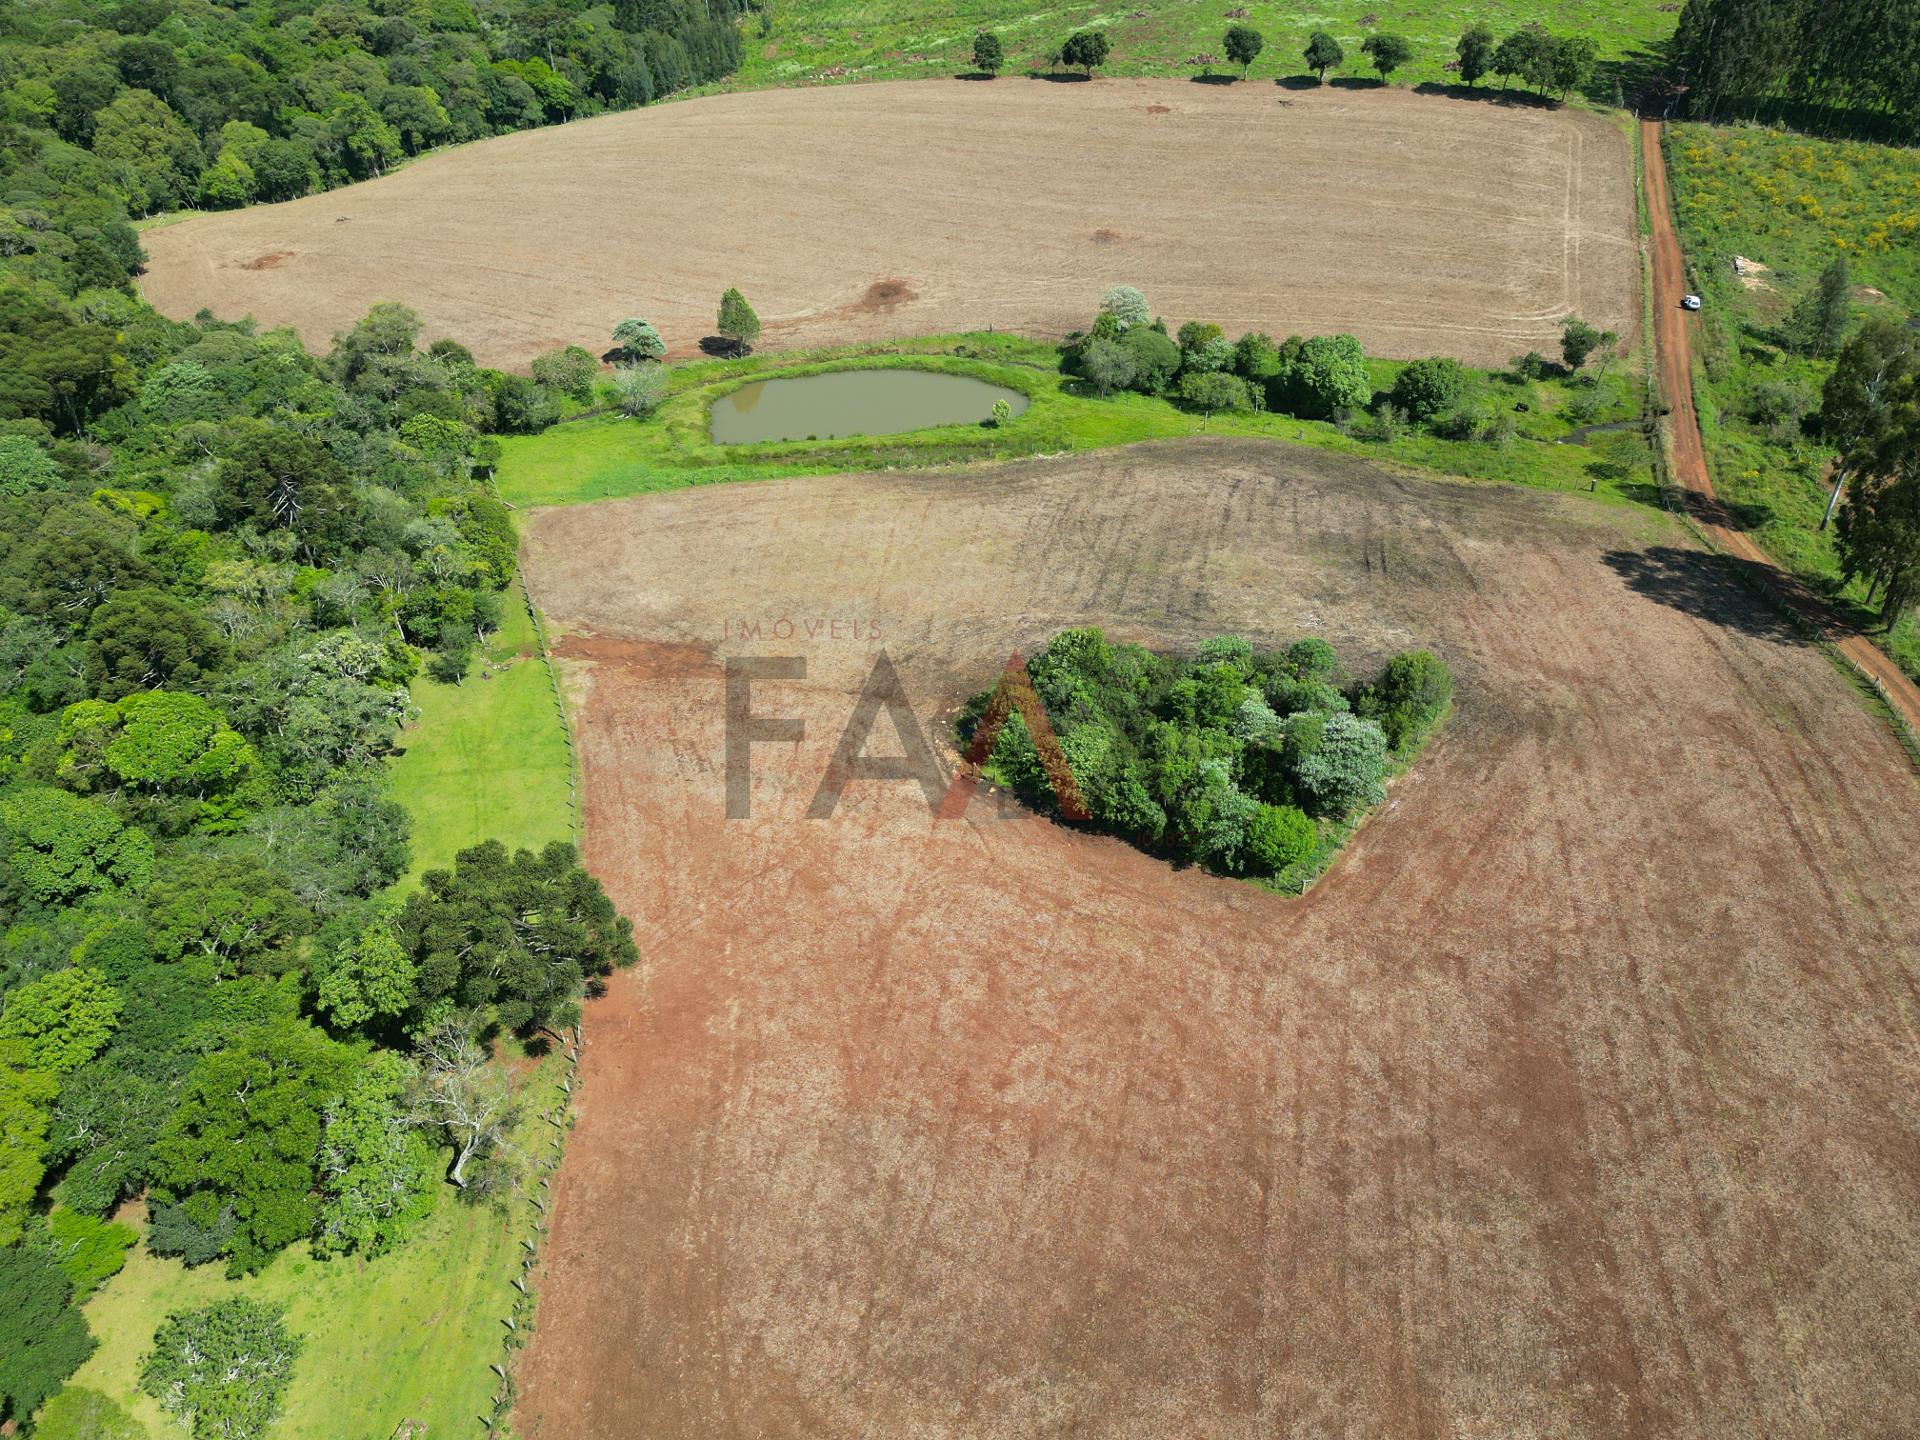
[[487, 758], [1792, 204], [607, 456]]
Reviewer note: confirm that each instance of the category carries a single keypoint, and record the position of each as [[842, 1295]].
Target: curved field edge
[[968, 1016], [411, 1334], [605, 456]]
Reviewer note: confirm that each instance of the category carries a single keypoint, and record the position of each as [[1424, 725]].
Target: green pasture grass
[[1791, 203], [407, 1336], [487, 758], [827, 41], [608, 455]]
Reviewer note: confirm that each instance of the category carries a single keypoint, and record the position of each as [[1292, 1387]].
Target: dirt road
[[1672, 332]]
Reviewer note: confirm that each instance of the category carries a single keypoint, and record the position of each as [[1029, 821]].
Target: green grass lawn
[[408, 1336], [608, 455], [487, 759], [1792, 204], [816, 41]]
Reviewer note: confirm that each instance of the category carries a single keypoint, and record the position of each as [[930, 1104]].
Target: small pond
[[855, 402]]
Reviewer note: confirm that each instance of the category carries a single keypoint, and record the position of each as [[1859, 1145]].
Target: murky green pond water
[[854, 402]]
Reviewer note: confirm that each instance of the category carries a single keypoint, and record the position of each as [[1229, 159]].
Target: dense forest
[[222, 559], [154, 105], [1854, 62]]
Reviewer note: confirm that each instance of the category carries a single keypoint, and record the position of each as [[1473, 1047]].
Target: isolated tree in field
[[1243, 45], [1475, 52], [638, 340], [1002, 413], [1856, 401], [737, 322], [1578, 340], [1323, 53], [1126, 305], [1818, 323], [1388, 53], [1086, 48], [987, 54], [222, 1371]]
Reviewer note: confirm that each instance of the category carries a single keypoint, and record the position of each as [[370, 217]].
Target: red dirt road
[[1672, 330], [1582, 1099]]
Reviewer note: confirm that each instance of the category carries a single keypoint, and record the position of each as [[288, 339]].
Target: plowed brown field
[[1424, 225], [1580, 1099]]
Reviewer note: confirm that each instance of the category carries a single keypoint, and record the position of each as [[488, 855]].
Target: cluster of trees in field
[[1323, 378], [1859, 56], [1240, 760], [222, 560], [1535, 58], [159, 105]]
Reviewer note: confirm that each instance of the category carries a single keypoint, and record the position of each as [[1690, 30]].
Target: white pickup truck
[[1690, 302]]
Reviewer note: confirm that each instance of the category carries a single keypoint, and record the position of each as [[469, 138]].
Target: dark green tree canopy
[[513, 939], [1086, 48], [1323, 53]]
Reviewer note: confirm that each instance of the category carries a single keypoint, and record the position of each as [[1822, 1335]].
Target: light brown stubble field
[[1578, 1100], [865, 212]]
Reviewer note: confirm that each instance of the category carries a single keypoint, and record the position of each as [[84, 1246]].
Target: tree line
[[163, 106], [223, 560], [1547, 64], [1860, 58], [1324, 377]]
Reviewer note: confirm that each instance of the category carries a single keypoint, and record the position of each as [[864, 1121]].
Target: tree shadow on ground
[[1216, 79], [1719, 589], [723, 348], [1356, 82], [1734, 514], [1059, 77], [1297, 82], [975, 75], [1488, 95]]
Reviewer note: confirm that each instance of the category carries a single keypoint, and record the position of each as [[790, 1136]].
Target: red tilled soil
[[1580, 1099], [1421, 224]]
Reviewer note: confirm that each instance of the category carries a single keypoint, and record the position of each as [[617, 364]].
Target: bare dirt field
[[1579, 1099], [1422, 224]]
